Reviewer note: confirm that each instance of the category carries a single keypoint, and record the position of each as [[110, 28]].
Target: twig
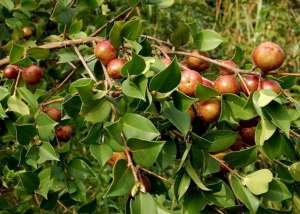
[[63, 206], [53, 101], [107, 78], [157, 40], [244, 84], [154, 174], [295, 134], [285, 74], [17, 82]]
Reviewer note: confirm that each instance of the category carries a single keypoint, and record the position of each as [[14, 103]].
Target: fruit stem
[[53, 101], [244, 84], [107, 78], [17, 83], [154, 174]]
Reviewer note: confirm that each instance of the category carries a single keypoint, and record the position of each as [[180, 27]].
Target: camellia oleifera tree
[[97, 117]]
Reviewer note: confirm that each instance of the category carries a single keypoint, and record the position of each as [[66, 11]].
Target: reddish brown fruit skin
[[252, 83], [196, 63], [114, 68], [115, 157], [271, 84], [268, 56], [105, 51], [189, 81], [64, 133], [225, 71], [227, 84], [208, 110], [32, 74], [248, 135], [27, 32], [237, 146], [11, 72], [53, 113], [208, 83]]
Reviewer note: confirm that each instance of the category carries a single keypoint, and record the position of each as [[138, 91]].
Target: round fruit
[[105, 51], [271, 84], [64, 133], [207, 82], [146, 183], [53, 113], [197, 63], [32, 74], [252, 83], [208, 110], [227, 84], [114, 68], [225, 71], [268, 56], [11, 71], [115, 157], [27, 32], [248, 135], [237, 146], [189, 81]]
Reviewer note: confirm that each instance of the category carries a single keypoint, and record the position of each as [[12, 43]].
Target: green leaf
[[63, 14], [115, 33], [223, 198], [264, 130], [137, 126], [209, 40], [261, 98], [193, 203], [113, 136], [3, 92], [221, 139], [181, 101], [94, 135], [17, 105], [46, 153], [183, 185], [72, 105], [278, 191], [258, 181], [200, 142], [195, 177], [84, 87], [181, 35], [29, 181], [2, 112], [45, 182], [79, 169], [241, 158], [135, 88], [123, 180], [274, 146], [45, 126], [135, 66], [96, 111], [29, 98], [66, 55], [145, 152], [166, 80], [243, 194], [132, 29], [134, 45], [143, 203], [25, 133], [101, 153], [294, 170], [204, 93], [38, 53], [8, 4], [16, 53]]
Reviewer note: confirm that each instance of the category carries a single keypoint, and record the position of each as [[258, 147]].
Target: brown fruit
[[11, 71], [208, 110], [197, 63], [64, 133], [268, 56], [237, 146], [115, 157], [225, 71], [53, 113], [207, 82], [189, 81], [32, 74], [252, 83], [105, 51], [146, 183], [114, 68], [227, 84], [248, 135], [271, 84], [27, 32]]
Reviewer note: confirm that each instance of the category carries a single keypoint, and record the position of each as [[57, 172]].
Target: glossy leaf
[[242, 158], [221, 139], [258, 181]]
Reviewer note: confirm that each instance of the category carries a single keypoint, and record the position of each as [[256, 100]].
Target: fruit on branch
[[53, 113], [225, 71], [227, 84], [64, 133], [11, 71], [268, 56], [105, 51], [189, 81], [252, 83], [208, 110], [207, 82], [115, 157], [27, 32], [32, 74], [272, 85], [238, 145], [197, 63], [146, 184], [248, 135], [114, 68]]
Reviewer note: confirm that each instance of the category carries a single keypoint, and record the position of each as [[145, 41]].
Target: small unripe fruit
[[197, 63], [64, 133], [105, 51], [272, 85], [268, 56], [227, 84], [114, 68], [32, 74], [11, 72], [53, 113], [189, 81], [225, 71], [208, 110], [27, 32], [252, 83], [248, 135], [115, 157]]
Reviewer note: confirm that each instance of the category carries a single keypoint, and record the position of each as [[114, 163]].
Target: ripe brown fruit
[[114, 68], [208, 110], [248, 135], [11, 71], [64, 133], [115, 157], [227, 84], [197, 63], [53, 113], [237, 146], [271, 84], [225, 71], [105, 51], [268, 56], [207, 82], [189, 81], [27, 32], [32, 74], [252, 83]]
